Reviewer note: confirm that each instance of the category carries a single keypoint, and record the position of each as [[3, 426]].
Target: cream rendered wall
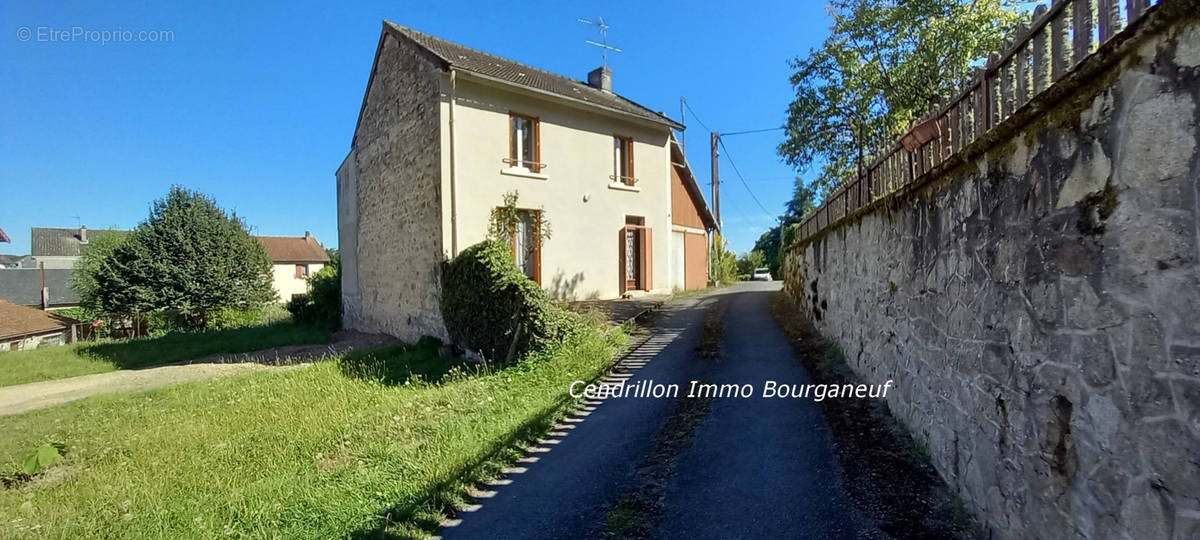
[[55, 262], [283, 278], [581, 259]]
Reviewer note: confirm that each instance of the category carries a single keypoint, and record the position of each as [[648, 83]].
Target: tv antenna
[[77, 221], [604, 46]]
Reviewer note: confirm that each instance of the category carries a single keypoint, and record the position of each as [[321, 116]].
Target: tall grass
[[337, 449]]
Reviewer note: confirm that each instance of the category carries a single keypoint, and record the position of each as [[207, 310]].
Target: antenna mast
[[604, 46]]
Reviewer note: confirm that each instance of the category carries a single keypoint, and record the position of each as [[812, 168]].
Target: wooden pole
[[716, 179]]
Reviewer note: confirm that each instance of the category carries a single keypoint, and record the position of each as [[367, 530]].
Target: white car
[[761, 274]]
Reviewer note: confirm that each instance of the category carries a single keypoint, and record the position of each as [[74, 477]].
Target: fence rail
[[1057, 39]]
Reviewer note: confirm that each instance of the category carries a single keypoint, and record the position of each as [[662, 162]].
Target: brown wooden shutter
[[621, 258], [647, 258], [537, 145], [298, 275], [537, 247]]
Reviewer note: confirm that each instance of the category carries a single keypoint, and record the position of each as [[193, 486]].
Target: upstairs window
[[524, 146], [623, 160], [301, 271]]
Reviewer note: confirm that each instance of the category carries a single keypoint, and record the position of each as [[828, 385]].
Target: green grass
[[370, 445], [18, 367]]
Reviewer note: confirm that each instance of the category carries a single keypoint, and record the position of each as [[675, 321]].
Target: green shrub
[[322, 306], [230, 317], [492, 308]]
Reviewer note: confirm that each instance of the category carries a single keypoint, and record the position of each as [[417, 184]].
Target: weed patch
[[887, 474]]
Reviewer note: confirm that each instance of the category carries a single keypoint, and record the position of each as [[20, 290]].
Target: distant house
[[23, 327], [15, 261], [60, 248], [294, 259], [445, 131], [23, 286]]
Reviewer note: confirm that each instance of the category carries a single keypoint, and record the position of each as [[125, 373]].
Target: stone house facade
[[445, 132]]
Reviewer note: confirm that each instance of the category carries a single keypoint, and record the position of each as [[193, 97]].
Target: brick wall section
[[1039, 308], [389, 201]]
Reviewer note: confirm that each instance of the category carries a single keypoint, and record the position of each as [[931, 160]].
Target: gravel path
[[32, 396]]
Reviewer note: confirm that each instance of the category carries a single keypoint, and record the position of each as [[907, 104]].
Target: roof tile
[[466, 58]]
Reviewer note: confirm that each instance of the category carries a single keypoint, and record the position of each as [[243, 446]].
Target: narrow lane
[[567, 491], [759, 467], [756, 467]]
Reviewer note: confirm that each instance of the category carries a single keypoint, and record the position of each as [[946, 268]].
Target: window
[[623, 160], [301, 271], [524, 146], [525, 244]]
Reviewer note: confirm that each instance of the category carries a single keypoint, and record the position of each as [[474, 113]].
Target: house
[[56, 248], [23, 327], [23, 286], [445, 131], [15, 261], [293, 260]]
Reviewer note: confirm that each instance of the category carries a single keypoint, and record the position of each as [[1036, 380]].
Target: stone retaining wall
[[1039, 307]]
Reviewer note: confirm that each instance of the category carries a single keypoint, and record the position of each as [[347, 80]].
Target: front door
[[633, 264]]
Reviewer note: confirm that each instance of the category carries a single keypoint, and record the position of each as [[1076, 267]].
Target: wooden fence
[[1057, 39]]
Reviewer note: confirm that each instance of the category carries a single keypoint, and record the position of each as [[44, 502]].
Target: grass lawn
[[364, 446], [47, 363]]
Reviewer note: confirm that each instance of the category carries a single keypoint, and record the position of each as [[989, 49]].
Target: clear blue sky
[[255, 104]]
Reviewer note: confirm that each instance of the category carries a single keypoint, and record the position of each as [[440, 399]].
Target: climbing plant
[[506, 217]]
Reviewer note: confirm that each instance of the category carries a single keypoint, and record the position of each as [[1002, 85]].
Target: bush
[[489, 306], [322, 306]]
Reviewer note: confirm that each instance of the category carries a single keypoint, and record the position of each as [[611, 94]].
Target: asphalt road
[[756, 467]]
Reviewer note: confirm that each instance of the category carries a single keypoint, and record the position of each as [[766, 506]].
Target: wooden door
[[635, 258]]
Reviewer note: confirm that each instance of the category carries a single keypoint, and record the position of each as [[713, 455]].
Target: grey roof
[[468, 59], [24, 286], [58, 242], [12, 259]]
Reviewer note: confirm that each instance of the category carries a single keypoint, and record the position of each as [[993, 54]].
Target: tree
[[189, 258], [884, 64], [723, 260], [749, 262], [100, 245], [802, 203]]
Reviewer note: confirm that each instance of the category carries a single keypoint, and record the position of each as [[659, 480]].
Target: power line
[[696, 116], [747, 132], [729, 158]]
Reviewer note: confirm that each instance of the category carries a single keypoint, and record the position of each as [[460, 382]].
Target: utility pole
[[716, 179]]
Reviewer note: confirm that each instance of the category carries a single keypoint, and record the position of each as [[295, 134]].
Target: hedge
[[489, 306]]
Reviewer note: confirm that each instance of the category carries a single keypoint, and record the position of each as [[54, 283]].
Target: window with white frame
[[623, 160], [524, 148]]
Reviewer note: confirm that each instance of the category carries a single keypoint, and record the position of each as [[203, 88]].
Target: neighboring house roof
[[679, 160], [7, 260], [494, 67], [294, 249], [59, 242], [24, 286], [17, 321]]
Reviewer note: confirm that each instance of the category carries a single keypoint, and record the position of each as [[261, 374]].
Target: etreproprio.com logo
[[80, 34]]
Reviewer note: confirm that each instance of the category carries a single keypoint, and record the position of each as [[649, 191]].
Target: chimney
[[307, 235], [601, 78], [83, 234]]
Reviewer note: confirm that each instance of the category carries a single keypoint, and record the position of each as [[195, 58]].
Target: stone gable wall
[[1039, 308], [389, 201]]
